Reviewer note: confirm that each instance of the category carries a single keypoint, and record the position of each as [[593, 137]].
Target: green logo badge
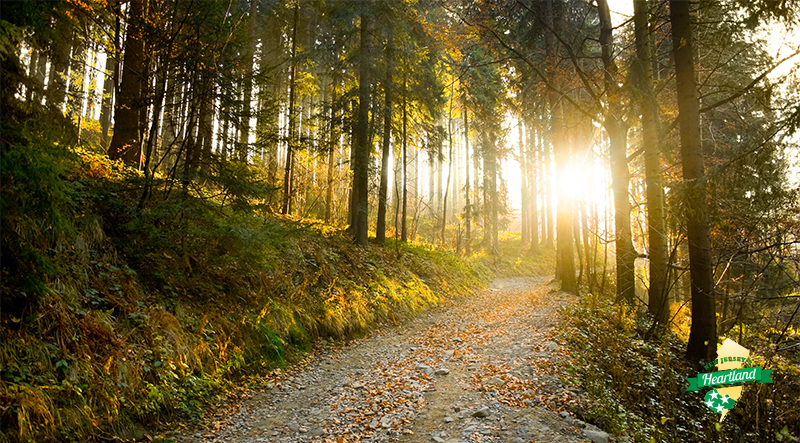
[[729, 381]]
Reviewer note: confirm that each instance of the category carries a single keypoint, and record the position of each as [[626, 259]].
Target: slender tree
[[380, 230], [702, 343], [656, 224], [361, 147]]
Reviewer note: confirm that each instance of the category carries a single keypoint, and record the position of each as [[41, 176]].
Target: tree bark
[[467, 206], [247, 77], [524, 230], [449, 165], [656, 226], [126, 144], [617, 130], [702, 343], [57, 84], [380, 230], [361, 146], [331, 151], [530, 172], [286, 208], [111, 73], [404, 227], [565, 267], [77, 81]]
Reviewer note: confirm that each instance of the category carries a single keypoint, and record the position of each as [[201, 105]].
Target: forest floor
[[488, 367]]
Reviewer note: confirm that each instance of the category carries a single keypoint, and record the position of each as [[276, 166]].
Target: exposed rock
[[596, 436], [482, 412]]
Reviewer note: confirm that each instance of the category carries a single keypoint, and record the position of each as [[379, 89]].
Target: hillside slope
[[121, 315]]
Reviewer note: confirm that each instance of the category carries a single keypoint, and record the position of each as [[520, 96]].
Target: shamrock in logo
[[718, 403]]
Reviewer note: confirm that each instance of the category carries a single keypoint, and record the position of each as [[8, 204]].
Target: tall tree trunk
[[128, 124], [111, 73], [205, 130], [247, 77], [523, 175], [361, 146], [565, 267], [547, 194], [492, 200], [620, 174], [702, 343], [656, 225], [331, 151], [380, 230], [449, 163], [403, 225], [271, 59], [32, 74], [286, 208], [530, 172], [77, 81], [59, 65], [39, 74], [91, 87], [467, 206]]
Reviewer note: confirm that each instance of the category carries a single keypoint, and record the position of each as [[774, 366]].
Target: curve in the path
[[486, 368]]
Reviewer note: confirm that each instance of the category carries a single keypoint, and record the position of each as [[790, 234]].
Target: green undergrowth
[[637, 387], [118, 316]]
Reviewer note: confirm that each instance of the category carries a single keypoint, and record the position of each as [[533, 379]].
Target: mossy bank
[[122, 315]]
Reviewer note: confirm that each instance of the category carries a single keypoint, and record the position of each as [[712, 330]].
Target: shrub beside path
[[485, 368]]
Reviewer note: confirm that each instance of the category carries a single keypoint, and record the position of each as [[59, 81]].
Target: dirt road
[[487, 368]]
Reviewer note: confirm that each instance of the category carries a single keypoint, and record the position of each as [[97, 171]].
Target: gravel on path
[[485, 368]]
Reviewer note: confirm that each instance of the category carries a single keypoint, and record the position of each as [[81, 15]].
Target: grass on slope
[[129, 316]]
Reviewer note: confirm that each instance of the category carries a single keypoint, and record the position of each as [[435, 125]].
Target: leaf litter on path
[[486, 368]]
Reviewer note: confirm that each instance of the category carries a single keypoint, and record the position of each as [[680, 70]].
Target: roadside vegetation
[[123, 316], [637, 383]]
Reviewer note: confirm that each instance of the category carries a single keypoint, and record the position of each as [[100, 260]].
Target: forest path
[[485, 368]]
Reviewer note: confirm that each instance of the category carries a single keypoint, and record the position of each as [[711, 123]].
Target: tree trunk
[[271, 59], [547, 194], [380, 230], [39, 75], [620, 174], [33, 67], [205, 130], [523, 173], [128, 124], [656, 226], [286, 208], [530, 172], [565, 267], [703, 335], [361, 146], [467, 206], [449, 164], [57, 84], [404, 227], [111, 73], [77, 81], [331, 151], [244, 119], [91, 88]]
